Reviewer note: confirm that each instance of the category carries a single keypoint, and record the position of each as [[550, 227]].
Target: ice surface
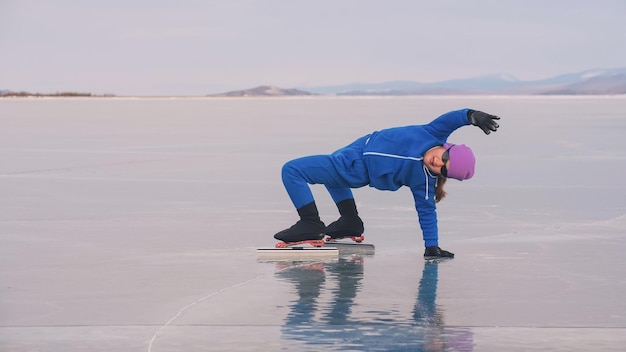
[[132, 225]]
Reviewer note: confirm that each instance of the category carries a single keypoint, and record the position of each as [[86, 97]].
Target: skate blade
[[314, 243], [297, 253], [437, 259], [347, 246]]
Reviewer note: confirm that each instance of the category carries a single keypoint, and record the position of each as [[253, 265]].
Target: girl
[[417, 156]]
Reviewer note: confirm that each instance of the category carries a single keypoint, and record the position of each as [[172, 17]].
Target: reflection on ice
[[319, 319]]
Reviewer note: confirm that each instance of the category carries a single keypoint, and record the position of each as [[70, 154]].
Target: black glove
[[483, 120]]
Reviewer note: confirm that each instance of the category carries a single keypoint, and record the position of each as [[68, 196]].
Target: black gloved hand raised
[[483, 120]]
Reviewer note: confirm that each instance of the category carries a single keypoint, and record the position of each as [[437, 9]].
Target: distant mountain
[[8, 93], [604, 84], [263, 91], [606, 81]]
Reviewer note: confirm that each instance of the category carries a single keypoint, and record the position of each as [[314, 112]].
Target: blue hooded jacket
[[394, 158]]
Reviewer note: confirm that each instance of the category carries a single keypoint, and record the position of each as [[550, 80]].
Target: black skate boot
[[436, 252], [309, 227], [348, 225]]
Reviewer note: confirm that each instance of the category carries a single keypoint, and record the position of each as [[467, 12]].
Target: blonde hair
[[440, 193]]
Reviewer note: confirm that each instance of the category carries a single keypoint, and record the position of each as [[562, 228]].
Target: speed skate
[[318, 248], [300, 249]]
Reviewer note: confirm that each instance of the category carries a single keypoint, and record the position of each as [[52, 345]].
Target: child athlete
[[417, 156]]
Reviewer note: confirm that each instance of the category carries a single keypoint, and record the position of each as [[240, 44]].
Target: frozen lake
[[132, 224]]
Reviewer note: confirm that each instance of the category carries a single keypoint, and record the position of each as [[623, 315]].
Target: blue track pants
[[339, 172]]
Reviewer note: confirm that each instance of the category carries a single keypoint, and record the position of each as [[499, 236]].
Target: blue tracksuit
[[386, 160]]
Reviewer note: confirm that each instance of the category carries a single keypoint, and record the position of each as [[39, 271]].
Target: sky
[[184, 47]]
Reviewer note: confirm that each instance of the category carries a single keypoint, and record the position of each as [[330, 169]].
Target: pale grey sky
[[183, 47]]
